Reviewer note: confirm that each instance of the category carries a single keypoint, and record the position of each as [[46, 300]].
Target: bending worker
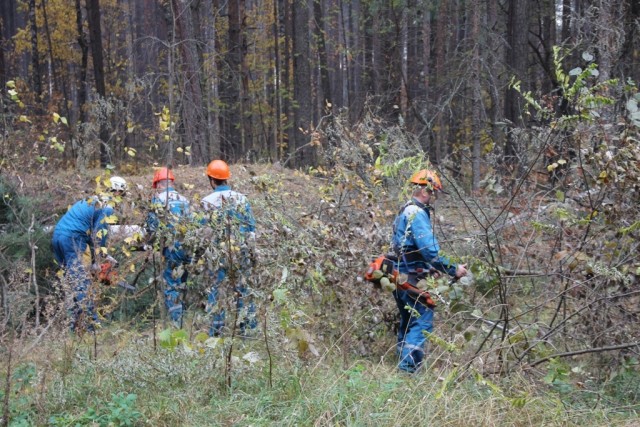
[[417, 249], [83, 226]]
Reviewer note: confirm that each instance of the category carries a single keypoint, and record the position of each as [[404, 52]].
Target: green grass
[[129, 383]]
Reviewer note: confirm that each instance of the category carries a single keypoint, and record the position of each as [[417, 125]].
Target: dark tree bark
[[95, 41], [630, 54], [207, 37], [301, 81], [232, 85], [517, 62], [476, 91], [287, 78], [193, 120], [36, 80], [3, 69], [53, 79], [325, 84], [274, 149], [437, 149]]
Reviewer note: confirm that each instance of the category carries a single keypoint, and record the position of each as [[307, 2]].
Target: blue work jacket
[[85, 221], [415, 243]]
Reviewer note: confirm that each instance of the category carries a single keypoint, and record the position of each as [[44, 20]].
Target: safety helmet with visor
[[427, 178]]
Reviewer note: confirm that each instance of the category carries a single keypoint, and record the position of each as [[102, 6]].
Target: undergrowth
[[134, 385]]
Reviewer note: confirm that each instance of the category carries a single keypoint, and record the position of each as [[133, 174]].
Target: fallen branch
[[585, 351]]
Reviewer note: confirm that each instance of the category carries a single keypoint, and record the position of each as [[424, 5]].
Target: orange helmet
[[427, 177], [161, 175], [218, 169]]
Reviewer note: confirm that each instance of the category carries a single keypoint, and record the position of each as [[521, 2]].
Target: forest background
[[528, 110]]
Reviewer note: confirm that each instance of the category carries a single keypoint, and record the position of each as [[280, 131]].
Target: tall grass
[[129, 383]]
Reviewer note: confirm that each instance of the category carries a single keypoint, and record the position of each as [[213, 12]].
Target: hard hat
[[161, 175], [117, 183], [218, 169], [427, 177]]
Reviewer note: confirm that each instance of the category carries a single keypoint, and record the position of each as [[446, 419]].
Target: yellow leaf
[[104, 250], [64, 120], [111, 219], [24, 119], [56, 117], [132, 268], [179, 150], [562, 162]]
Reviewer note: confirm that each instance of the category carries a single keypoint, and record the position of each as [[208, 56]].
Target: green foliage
[[21, 409], [558, 376], [119, 411], [624, 385], [170, 339], [20, 222]]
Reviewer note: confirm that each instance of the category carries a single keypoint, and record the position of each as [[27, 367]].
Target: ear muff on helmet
[[428, 178], [162, 174], [218, 169]]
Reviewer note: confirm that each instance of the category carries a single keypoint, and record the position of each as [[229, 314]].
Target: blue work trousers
[[175, 284], [413, 323], [68, 253], [218, 314]]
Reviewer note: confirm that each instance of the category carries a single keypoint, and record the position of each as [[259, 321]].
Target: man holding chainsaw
[[229, 214], [167, 209], [417, 249], [85, 225]]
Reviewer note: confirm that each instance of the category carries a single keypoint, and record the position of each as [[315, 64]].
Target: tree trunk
[[3, 69], [356, 105], [630, 55], [287, 78], [79, 146], [302, 80], [476, 87], [403, 37], [53, 79], [517, 54], [36, 81], [95, 41], [325, 84], [193, 119], [277, 97], [440, 43], [211, 79]]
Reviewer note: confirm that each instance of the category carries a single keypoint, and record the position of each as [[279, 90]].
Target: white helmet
[[117, 183]]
